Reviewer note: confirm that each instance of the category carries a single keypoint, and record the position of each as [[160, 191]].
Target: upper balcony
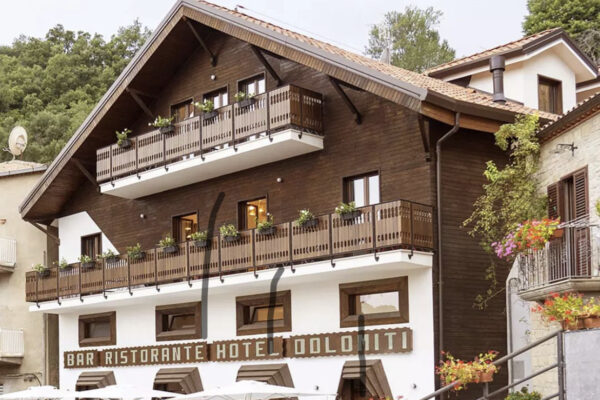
[[567, 263], [12, 347], [386, 226], [283, 123], [8, 254]]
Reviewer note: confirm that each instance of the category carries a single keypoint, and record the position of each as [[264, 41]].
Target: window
[[178, 321], [218, 97], [182, 111], [251, 212], [549, 95], [263, 313], [383, 301], [363, 190], [183, 226], [254, 85], [98, 329], [91, 245]]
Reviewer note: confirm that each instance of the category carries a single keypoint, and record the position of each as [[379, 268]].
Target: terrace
[[381, 227]]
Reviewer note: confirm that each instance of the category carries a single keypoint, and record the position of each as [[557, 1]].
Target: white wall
[[70, 230], [315, 309]]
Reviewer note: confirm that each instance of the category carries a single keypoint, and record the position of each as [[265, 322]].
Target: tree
[[50, 85], [579, 18], [511, 193], [410, 36]]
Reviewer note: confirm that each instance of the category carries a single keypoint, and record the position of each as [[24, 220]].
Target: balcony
[[568, 263], [386, 226], [283, 123], [12, 347], [8, 254]]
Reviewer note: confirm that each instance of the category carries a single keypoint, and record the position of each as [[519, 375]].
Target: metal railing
[[559, 365], [8, 252], [288, 106], [12, 343], [573, 255], [396, 224]]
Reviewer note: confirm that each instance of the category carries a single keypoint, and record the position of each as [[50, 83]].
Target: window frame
[[243, 304], [174, 217], [102, 341], [163, 334], [251, 77], [190, 102], [98, 250], [225, 87], [558, 100], [241, 217], [349, 291], [346, 187]]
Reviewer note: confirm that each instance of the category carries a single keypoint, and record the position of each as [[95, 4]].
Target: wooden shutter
[[553, 201], [580, 187]]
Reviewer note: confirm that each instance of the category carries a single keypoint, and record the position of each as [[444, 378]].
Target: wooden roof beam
[[213, 57], [86, 173], [46, 231], [266, 64], [135, 94], [336, 85], [425, 135]]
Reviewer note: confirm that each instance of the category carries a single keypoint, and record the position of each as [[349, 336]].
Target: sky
[[468, 25]]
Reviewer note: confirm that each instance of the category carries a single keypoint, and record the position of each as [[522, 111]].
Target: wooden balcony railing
[[288, 106], [384, 226]]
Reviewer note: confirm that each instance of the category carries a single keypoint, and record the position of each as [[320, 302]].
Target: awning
[[374, 376], [95, 380], [273, 374], [178, 380]]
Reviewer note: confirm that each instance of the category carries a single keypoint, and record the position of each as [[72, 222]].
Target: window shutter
[[553, 210], [580, 187]]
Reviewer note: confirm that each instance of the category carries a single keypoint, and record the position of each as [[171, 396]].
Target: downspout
[[438, 179]]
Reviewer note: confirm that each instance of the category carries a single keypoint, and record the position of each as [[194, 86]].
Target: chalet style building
[[356, 303]]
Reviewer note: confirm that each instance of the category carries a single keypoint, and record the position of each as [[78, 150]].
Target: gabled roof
[[410, 89], [572, 118], [18, 167], [515, 48]]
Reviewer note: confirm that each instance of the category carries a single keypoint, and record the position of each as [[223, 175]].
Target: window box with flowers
[[529, 235], [87, 262], [168, 245], [307, 219], [229, 232], [199, 238], [566, 309], [266, 227], [208, 109], [123, 140], [41, 270], [244, 99], [348, 211], [135, 253], [164, 125], [63, 265], [461, 373]]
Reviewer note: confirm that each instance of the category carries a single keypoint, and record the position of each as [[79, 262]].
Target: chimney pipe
[[497, 69]]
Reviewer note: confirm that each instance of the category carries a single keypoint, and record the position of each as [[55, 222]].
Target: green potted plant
[[524, 394], [266, 227], [63, 265], [168, 244], [87, 262], [567, 309], [244, 99], [229, 232], [164, 125], [591, 314], [348, 211], [461, 373], [200, 238], [123, 140], [109, 256], [135, 252], [41, 270], [307, 219], [208, 109]]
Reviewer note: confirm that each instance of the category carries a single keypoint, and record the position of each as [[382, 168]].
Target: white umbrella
[[250, 390], [123, 392], [39, 392]]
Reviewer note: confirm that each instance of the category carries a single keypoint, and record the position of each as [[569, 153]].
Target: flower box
[[350, 216], [572, 325], [210, 114], [267, 231], [311, 223], [591, 322], [558, 233], [170, 249], [246, 102], [167, 130], [231, 238], [200, 244], [125, 143], [88, 265], [486, 376], [44, 273]]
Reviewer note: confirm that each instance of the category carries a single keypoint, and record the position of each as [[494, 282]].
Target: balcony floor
[[252, 153], [581, 285]]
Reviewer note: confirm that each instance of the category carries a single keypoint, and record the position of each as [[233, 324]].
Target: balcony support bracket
[[265, 63], [86, 173], [46, 231], [136, 96], [213, 58], [424, 129], [336, 85]]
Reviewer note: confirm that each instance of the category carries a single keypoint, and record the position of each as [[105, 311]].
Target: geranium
[[461, 373], [561, 308], [532, 234]]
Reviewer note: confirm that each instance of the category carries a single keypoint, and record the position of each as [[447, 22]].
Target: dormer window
[[549, 95]]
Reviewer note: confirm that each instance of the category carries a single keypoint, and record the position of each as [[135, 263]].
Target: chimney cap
[[497, 62]]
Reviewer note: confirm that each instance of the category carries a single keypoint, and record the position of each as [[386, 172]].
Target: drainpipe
[[438, 179]]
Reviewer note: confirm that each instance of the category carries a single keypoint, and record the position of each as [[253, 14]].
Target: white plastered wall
[[70, 230]]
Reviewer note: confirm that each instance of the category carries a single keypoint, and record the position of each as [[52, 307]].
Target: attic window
[[549, 95]]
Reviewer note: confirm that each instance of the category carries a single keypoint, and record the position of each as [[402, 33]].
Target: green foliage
[[239, 96], [198, 236], [579, 18], [62, 264], [161, 122], [510, 194], [304, 217], [524, 394], [345, 208], [265, 225], [411, 36], [206, 106], [228, 230], [50, 85], [167, 241], [107, 254], [122, 135], [85, 259], [39, 268], [135, 252]]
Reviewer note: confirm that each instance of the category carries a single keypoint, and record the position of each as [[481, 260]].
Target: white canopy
[[250, 390], [123, 392], [39, 392]]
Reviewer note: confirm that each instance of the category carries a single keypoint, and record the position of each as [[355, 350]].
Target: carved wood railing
[[385, 226], [288, 106]]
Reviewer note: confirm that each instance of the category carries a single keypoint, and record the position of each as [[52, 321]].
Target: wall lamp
[[562, 147]]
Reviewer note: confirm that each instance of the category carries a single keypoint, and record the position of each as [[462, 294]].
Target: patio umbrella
[[39, 392], [250, 390], [123, 392]]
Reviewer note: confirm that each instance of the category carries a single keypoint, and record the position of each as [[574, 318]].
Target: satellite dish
[[17, 141]]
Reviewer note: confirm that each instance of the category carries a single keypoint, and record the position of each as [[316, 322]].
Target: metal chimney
[[497, 69]]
